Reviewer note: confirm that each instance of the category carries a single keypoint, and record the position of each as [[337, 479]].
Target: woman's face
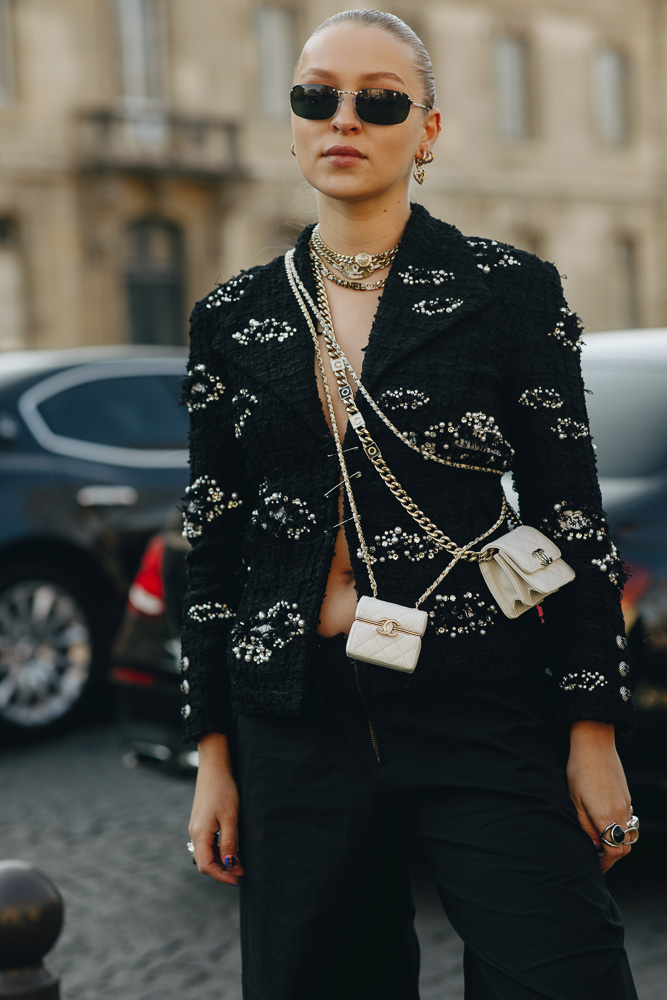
[[345, 158]]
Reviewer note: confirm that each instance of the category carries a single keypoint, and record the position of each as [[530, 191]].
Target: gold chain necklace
[[320, 264], [355, 267]]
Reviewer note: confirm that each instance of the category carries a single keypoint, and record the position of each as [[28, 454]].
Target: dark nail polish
[[229, 861]]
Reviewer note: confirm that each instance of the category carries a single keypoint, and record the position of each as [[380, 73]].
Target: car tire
[[52, 647]]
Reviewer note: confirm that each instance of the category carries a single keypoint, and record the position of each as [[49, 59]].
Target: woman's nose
[[346, 118]]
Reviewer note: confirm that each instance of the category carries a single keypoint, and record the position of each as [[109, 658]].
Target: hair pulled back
[[399, 29]]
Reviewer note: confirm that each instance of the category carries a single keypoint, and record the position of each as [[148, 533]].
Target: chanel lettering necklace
[[327, 272]]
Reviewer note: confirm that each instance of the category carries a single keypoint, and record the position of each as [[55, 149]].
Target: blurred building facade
[[144, 151]]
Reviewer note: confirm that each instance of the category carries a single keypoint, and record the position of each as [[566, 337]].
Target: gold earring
[[293, 150], [420, 162]]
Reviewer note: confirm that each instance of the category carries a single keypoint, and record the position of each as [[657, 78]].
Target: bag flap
[[527, 548], [374, 610]]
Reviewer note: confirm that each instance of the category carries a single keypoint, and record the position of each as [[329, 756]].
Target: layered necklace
[[349, 271]]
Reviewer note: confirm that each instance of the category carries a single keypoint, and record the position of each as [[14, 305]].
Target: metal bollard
[[31, 917]]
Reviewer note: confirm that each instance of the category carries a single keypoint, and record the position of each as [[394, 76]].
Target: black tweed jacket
[[475, 354]]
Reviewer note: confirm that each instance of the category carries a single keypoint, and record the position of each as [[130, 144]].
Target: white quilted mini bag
[[387, 634], [526, 567]]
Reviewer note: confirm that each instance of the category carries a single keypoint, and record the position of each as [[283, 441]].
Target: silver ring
[[190, 846], [620, 836]]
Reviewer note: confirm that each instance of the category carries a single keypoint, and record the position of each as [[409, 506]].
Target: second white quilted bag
[[526, 567]]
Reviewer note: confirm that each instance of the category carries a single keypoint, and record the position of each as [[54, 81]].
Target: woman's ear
[[432, 128]]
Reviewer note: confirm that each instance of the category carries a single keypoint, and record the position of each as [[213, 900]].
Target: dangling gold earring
[[293, 150], [420, 162]]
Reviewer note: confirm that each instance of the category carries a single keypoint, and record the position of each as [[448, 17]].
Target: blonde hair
[[399, 29]]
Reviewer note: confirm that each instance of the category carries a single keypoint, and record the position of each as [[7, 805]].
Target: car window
[[628, 414], [139, 412]]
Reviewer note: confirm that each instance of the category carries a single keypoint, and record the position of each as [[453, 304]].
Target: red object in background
[[131, 675], [638, 582], [146, 595], [639, 578]]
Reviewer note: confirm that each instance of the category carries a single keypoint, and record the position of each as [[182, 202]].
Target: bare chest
[[352, 314]]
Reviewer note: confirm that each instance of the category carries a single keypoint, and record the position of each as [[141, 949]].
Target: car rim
[[45, 652]]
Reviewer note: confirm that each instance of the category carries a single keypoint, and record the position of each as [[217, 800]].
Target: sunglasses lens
[[316, 101], [382, 107]]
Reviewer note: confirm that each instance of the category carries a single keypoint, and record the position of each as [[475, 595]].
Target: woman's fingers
[[587, 824], [215, 813], [216, 854], [598, 787], [608, 856]]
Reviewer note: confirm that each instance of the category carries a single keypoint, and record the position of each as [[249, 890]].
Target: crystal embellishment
[[231, 291], [205, 501], [262, 331], [269, 630], [585, 680], [201, 387]]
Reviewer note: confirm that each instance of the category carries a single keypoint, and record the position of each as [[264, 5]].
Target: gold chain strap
[[334, 426], [374, 454], [371, 402]]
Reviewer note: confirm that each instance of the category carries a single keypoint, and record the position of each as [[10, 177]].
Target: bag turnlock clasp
[[542, 556], [388, 626]]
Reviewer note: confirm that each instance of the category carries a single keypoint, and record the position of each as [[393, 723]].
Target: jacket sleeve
[[216, 508], [555, 476]]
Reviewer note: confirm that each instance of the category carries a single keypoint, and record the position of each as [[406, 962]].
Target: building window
[[12, 300], [612, 96], [625, 283], [142, 35], [154, 281], [276, 56], [512, 87], [6, 53]]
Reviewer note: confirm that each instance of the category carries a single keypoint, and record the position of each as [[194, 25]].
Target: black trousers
[[472, 781]]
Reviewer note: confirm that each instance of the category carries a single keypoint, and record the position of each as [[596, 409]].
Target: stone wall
[[82, 158]]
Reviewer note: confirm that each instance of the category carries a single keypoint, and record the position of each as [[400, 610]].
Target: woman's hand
[[215, 807], [597, 785]]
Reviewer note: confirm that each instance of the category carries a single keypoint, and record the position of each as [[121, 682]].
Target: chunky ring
[[620, 836]]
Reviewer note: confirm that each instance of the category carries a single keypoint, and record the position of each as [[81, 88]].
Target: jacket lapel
[[434, 283]]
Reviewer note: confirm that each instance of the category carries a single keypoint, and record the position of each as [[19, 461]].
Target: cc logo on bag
[[542, 556], [388, 627]]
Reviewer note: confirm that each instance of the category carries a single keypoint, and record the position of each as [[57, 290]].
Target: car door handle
[[107, 496]]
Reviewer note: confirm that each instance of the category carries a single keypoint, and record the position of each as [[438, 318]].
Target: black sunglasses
[[318, 101]]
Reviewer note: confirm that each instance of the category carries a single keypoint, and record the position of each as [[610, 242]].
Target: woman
[[501, 774]]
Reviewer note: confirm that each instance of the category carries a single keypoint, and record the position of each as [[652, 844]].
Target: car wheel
[[49, 643]]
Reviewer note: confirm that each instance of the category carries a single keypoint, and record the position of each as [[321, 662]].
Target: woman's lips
[[343, 156]]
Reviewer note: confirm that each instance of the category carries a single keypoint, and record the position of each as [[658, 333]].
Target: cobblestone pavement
[[141, 924]]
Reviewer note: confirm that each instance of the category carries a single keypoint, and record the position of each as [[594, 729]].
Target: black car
[[93, 456], [626, 377]]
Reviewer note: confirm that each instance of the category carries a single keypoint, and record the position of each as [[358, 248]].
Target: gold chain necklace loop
[[355, 266]]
